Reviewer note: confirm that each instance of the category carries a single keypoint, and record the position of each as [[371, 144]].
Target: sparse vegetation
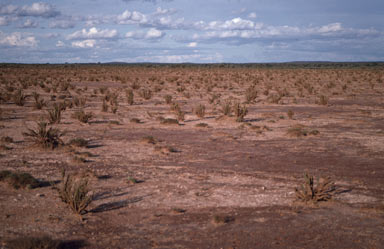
[[200, 111], [54, 114], [19, 180], [82, 116], [240, 112], [45, 137], [313, 192], [75, 192], [19, 98]]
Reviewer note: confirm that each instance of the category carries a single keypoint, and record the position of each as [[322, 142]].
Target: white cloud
[[233, 24], [333, 27], [192, 44], [38, 9], [62, 24], [17, 39], [29, 24], [8, 9], [84, 44], [94, 33], [154, 34], [252, 15], [134, 17], [3, 21], [151, 34], [60, 44]]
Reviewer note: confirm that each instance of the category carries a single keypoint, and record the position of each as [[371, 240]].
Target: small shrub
[[290, 114], [169, 121], [146, 94], [130, 96], [222, 219], [135, 85], [54, 114], [82, 116], [323, 100], [135, 120], [240, 112], [311, 192], [19, 180], [297, 131], [34, 243], [180, 115], [226, 108], [251, 94], [132, 180], [19, 98], [168, 99], [114, 107], [78, 142], [6, 139], [39, 103], [44, 137], [104, 107], [200, 111], [202, 125], [149, 140], [75, 192]]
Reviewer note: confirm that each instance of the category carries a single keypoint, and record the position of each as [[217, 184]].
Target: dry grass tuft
[[44, 137], [19, 180], [311, 192], [75, 192]]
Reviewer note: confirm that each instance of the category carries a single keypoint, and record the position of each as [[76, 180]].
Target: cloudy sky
[[200, 31]]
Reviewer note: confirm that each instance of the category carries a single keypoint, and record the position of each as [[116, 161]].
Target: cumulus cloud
[[62, 24], [38, 9], [233, 24], [160, 19], [29, 24], [192, 44], [4, 21], [134, 17], [151, 34], [17, 39], [90, 43], [60, 44], [252, 15], [239, 30], [93, 33], [150, 1]]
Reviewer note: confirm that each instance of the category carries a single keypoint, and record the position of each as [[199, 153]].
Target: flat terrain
[[187, 173]]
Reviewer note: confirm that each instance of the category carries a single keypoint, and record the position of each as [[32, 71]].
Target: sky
[[196, 31]]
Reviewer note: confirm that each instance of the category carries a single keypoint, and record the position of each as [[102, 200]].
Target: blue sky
[[199, 31]]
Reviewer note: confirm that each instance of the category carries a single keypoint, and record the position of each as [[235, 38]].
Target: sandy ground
[[228, 185]]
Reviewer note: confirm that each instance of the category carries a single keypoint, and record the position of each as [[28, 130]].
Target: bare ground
[[228, 185]]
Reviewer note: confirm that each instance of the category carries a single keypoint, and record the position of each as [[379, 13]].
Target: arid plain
[[193, 156]]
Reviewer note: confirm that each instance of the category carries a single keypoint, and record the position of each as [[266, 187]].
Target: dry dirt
[[228, 185]]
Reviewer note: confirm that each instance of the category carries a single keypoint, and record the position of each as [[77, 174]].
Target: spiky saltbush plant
[[200, 111], [168, 99], [240, 112], [19, 98], [130, 96], [82, 116], [226, 108], [44, 136], [39, 102], [311, 192], [19, 180], [146, 94], [251, 94], [54, 114], [75, 192]]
